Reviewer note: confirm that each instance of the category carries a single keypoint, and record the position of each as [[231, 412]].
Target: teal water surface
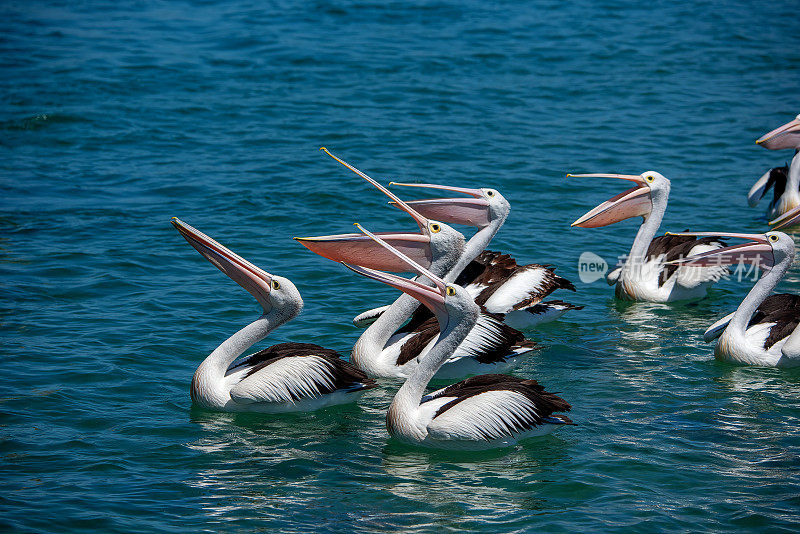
[[116, 117]]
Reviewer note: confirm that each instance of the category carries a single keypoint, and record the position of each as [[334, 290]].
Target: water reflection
[[485, 479]]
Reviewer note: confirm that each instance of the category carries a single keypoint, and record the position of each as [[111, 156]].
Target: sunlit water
[[116, 118]]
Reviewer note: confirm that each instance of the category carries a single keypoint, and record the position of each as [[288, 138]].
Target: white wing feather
[[286, 380], [791, 349], [613, 276], [363, 320], [716, 329], [517, 288], [486, 335], [757, 191], [486, 416]]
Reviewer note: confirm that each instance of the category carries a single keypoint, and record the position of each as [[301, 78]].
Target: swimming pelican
[[495, 281], [763, 329], [784, 181], [288, 377], [646, 274], [392, 346], [482, 412]]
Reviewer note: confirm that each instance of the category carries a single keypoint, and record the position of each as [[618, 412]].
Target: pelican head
[[652, 188], [443, 299], [276, 294], [786, 136], [484, 206]]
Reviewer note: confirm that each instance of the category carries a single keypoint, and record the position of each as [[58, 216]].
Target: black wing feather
[[545, 403], [346, 375], [783, 310]]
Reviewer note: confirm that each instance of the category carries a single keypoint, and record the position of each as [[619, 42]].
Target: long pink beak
[[786, 136], [255, 280], [432, 297], [421, 220], [756, 252], [634, 202], [361, 250], [790, 218], [467, 211]]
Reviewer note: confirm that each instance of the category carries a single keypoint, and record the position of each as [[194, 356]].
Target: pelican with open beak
[[288, 377], [784, 181], [482, 412], [646, 273], [763, 329], [495, 280], [404, 332]]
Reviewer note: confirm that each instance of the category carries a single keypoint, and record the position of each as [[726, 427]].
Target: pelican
[[495, 281], [646, 274], [479, 413], [763, 329], [784, 181], [288, 377], [392, 345]]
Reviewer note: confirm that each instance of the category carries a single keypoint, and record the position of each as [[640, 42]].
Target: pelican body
[[784, 181], [646, 274], [288, 377], [482, 412], [763, 329]]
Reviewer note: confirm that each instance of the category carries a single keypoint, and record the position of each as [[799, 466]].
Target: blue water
[[114, 118]]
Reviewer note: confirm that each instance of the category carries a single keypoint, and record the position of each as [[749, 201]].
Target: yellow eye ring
[[490, 193], [275, 284], [773, 238], [435, 228], [649, 179], [451, 291]]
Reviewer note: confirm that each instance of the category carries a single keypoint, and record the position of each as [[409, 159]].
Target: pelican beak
[[634, 202], [359, 249], [786, 136], [255, 280], [790, 218], [419, 218], [757, 251], [430, 297], [467, 211]]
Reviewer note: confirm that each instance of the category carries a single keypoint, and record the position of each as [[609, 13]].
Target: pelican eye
[[490, 193], [451, 291], [435, 228], [649, 179], [773, 238], [276, 284]]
